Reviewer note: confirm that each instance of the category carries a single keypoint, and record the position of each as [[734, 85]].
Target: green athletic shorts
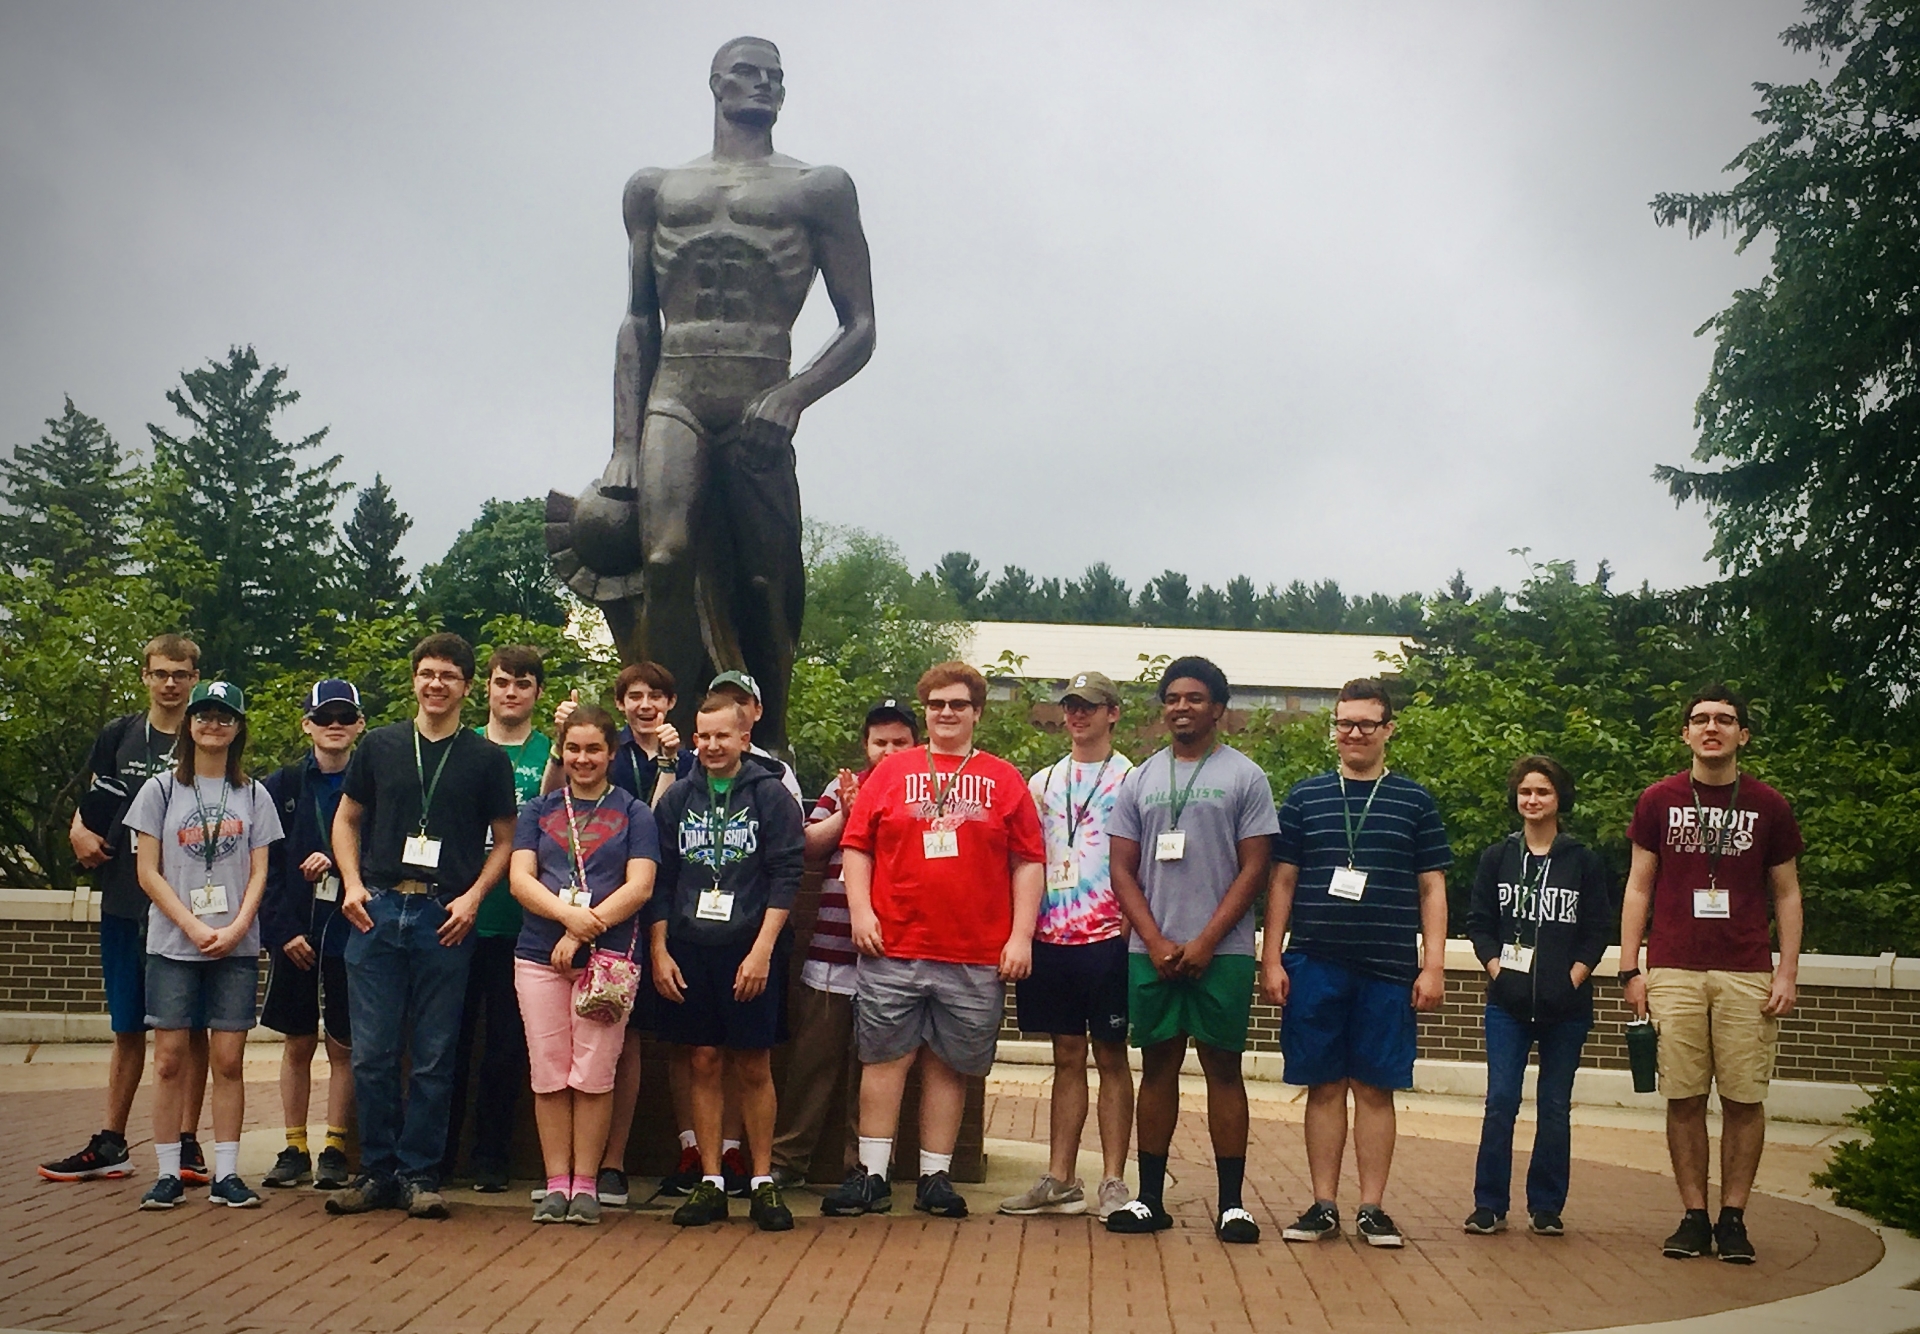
[[1212, 1008]]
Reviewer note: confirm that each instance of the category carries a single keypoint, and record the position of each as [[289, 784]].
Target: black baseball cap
[[892, 711]]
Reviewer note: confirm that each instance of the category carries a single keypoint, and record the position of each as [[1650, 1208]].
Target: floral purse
[[609, 984]]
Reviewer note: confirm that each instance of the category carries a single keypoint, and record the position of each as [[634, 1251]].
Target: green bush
[[1880, 1176]]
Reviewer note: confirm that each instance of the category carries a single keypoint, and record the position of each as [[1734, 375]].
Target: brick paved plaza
[[82, 1258]]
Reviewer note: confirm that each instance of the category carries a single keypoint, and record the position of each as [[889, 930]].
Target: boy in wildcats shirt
[[1713, 850]]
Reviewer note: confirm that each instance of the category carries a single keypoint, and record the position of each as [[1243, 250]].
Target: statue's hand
[[778, 408]]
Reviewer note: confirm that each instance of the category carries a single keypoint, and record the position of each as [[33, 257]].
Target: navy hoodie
[[759, 862], [1568, 923], [288, 908]]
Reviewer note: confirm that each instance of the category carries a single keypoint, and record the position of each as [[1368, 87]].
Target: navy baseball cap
[[893, 711], [332, 691]]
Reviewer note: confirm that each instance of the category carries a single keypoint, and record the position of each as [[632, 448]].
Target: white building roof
[[1273, 659]]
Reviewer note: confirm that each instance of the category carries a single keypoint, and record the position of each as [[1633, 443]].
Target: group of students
[[649, 886]]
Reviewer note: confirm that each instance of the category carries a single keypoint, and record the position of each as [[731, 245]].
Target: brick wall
[[50, 968]]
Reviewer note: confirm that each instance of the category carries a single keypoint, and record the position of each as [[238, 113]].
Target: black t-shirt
[[128, 751], [474, 790]]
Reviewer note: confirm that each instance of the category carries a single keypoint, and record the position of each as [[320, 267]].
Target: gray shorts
[[217, 992], [954, 1008]]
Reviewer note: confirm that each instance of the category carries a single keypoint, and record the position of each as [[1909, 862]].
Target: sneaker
[[936, 1195], [364, 1195], [1319, 1222], [425, 1202], [1692, 1239], [552, 1207], [104, 1159], [234, 1193], [162, 1194], [788, 1178], [490, 1180], [1485, 1222], [1378, 1228], [768, 1210], [193, 1163], [611, 1186], [330, 1170], [1236, 1225], [1113, 1194], [289, 1169], [861, 1193], [1546, 1223], [1730, 1239], [584, 1209], [706, 1203], [684, 1177], [1139, 1216], [1047, 1196], [737, 1175]]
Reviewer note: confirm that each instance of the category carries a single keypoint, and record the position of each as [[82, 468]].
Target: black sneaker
[[737, 1175], [1485, 1222], [1546, 1223], [234, 1193], [683, 1178], [289, 1169], [193, 1163], [1137, 1216], [164, 1193], [1730, 1238], [490, 1180], [1692, 1239], [706, 1203], [860, 1193], [1373, 1223], [366, 1194], [1319, 1222], [768, 1210], [611, 1186], [1236, 1225], [104, 1159], [935, 1195], [330, 1172]]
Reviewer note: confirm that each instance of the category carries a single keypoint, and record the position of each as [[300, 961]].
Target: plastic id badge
[[939, 843], [1063, 872], [714, 905], [1712, 902], [327, 888], [210, 900], [576, 897], [1347, 883], [1170, 846], [422, 852], [1516, 958]]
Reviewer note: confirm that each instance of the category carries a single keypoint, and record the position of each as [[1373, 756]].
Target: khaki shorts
[[1713, 1032]]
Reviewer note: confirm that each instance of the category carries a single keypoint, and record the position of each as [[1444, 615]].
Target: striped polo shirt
[[831, 958]]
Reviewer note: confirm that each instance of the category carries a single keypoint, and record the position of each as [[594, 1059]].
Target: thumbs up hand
[[563, 711]]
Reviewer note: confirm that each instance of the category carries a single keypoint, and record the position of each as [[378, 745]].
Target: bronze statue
[[690, 541]]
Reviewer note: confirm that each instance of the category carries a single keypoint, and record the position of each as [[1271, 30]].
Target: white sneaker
[[1113, 1195], [1048, 1197]]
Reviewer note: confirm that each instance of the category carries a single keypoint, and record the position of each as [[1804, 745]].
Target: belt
[[415, 887]]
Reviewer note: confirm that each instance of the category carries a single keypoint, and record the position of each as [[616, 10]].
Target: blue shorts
[[202, 993], [1340, 1024], [123, 971], [710, 1016]]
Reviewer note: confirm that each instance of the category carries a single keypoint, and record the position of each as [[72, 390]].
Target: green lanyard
[[717, 816], [1075, 821], [1721, 836], [1346, 813], [210, 833], [943, 791], [1177, 801], [420, 766], [1528, 909]]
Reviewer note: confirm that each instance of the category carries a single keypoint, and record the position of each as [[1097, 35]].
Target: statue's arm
[[840, 250], [637, 351]]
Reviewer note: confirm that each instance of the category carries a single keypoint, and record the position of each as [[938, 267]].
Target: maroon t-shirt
[[1763, 834]]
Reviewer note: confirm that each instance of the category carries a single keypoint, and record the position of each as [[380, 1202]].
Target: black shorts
[[644, 1017], [296, 997], [710, 1016], [1076, 989]]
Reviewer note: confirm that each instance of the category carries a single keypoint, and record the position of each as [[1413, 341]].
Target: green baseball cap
[[741, 679], [222, 694], [1093, 687]]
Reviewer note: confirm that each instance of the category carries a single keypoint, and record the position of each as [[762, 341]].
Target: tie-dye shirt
[[1087, 911]]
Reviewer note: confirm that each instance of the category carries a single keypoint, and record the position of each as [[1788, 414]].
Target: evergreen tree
[[1243, 604], [961, 575], [233, 491], [65, 498], [1011, 597], [1209, 606], [375, 577], [1166, 600], [1099, 597], [497, 566]]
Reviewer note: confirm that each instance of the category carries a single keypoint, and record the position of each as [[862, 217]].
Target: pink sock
[[559, 1183], [585, 1186]]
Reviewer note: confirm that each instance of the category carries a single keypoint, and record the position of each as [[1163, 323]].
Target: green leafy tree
[[961, 575], [235, 492], [497, 566], [66, 498], [1879, 1174], [375, 579]]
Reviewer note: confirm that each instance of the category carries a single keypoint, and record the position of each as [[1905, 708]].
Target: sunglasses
[[335, 718]]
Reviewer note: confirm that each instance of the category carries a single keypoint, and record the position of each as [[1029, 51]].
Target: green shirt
[[499, 914]]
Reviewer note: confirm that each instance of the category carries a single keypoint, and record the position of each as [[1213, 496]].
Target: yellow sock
[[297, 1138], [337, 1138]]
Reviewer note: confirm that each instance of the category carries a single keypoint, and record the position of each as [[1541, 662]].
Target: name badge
[[210, 900], [1347, 883], [1711, 902], [1064, 872], [713, 905], [1516, 958], [1170, 846], [939, 843], [422, 852], [327, 889], [576, 897]]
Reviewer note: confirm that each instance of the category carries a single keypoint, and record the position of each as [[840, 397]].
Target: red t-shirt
[[1763, 835], [946, 909]]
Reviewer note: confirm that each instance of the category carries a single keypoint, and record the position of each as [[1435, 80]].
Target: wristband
[[664, 763], [1627, 975]]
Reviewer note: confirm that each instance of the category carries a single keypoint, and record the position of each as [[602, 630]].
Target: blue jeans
[[1508, 1041], [405, 991]]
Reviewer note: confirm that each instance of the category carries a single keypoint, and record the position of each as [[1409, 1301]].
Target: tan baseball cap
[[1093, 687]]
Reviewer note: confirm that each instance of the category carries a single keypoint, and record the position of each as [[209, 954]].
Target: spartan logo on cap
[[1080, 680], [218, 690]]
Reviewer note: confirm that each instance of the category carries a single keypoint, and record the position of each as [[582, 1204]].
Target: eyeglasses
[[1730, 720], [220, 720], [336, 718], [949, 705], [187, 677], [1364, 726], [443, 678]]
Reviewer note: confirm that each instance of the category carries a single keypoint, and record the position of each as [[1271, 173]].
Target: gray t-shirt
[[169, 810], [1230, 801]]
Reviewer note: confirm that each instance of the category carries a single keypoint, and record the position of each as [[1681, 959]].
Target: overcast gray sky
[[1367, 291]]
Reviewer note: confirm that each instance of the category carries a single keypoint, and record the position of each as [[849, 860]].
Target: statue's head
[[746, 81]]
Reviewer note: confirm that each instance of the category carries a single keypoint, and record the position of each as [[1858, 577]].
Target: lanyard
[[428, 789], [1177, 801], [1528, 909], [943, 791], [573, 830], [210, 833], [717, 832], [1717, 843], [1075, 821], [1346, 813]]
